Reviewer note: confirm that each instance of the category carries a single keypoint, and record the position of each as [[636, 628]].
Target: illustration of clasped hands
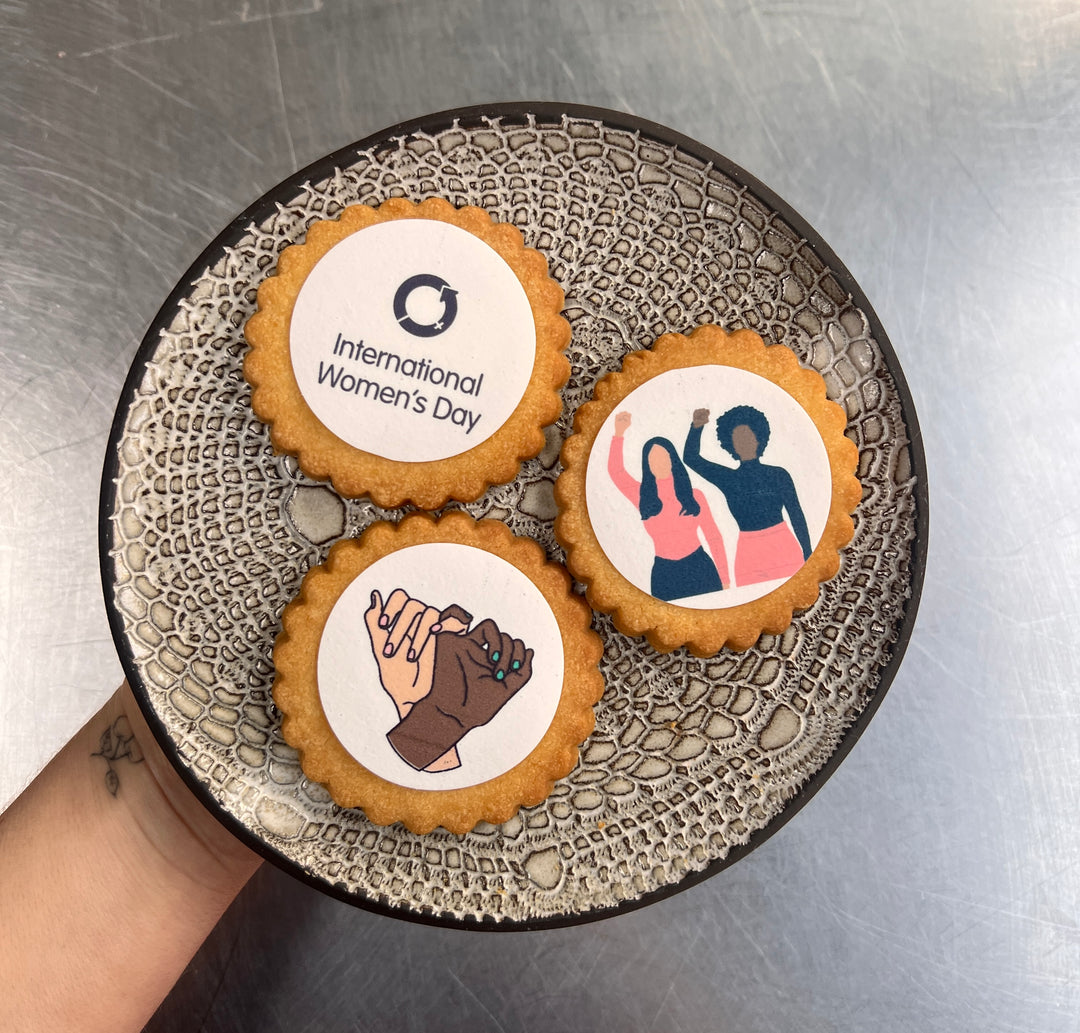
[[444, 679]]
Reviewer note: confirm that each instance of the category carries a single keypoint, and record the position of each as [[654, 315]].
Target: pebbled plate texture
[[205, 534]]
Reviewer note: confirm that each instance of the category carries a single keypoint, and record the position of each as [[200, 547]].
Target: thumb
[[371, 619], [454, 619]]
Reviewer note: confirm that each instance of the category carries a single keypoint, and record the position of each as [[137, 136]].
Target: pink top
[[674, 535]]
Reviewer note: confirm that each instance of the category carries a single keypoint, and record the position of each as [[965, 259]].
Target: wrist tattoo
[[117, 741]]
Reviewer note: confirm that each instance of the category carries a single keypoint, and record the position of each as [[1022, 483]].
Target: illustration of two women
[[673, 511]]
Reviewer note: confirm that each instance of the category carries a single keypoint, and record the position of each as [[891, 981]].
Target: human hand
[[400, 630], [475, 675], [622, 423], [701, 417], [402, 641], [138, 853]]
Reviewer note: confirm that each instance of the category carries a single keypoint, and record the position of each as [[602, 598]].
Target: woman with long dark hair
[[757, 494], [674, 515]]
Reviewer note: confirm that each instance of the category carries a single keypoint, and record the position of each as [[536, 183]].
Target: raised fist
[[701, 417], [622, 423]]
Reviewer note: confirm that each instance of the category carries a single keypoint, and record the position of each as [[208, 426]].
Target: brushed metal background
[[934, 883]]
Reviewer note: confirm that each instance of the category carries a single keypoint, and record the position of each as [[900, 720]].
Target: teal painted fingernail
[[516, 664], [495, 656], [499, 675]]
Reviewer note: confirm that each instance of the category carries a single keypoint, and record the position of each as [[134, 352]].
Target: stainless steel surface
[[934, 882]]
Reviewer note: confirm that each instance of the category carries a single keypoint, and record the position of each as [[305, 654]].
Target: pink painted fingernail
[[383, 621], [389, 650], [412, 654], [436, 628]]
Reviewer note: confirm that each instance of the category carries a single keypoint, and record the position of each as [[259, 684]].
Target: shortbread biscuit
[[410, 352], [437, 673], [706, 491]]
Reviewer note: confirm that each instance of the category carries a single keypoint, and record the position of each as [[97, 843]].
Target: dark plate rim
[[472, 117]]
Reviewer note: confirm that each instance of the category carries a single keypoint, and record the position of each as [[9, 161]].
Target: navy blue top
[[756, 494]]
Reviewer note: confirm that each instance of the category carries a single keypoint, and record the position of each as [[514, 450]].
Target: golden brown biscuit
[[706, 540], [410, 352], [437, 673]]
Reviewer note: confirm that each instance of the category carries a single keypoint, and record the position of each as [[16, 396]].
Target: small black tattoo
[[118, 740]]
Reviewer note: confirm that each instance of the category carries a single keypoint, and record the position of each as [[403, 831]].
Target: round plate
[[206, 533]]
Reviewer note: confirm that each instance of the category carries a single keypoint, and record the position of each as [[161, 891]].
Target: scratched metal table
[[933, 883]]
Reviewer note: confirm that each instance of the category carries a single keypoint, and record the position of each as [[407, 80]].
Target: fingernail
[[436, 628], [495, 656], [383, 621], [412, 654], [389, 650], [516, 664], [499, 675], [372, 598]]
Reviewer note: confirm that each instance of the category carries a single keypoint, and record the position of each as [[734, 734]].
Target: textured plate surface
[[206, 534]]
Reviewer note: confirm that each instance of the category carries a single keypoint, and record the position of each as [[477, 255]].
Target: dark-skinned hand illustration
[[402, 632], [473, 675]]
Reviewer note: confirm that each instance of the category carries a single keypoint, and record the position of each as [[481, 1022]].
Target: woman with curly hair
[[758, 496], [673, 514]]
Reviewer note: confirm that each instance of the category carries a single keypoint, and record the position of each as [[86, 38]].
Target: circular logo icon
[[425, 281], [373, 363]]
